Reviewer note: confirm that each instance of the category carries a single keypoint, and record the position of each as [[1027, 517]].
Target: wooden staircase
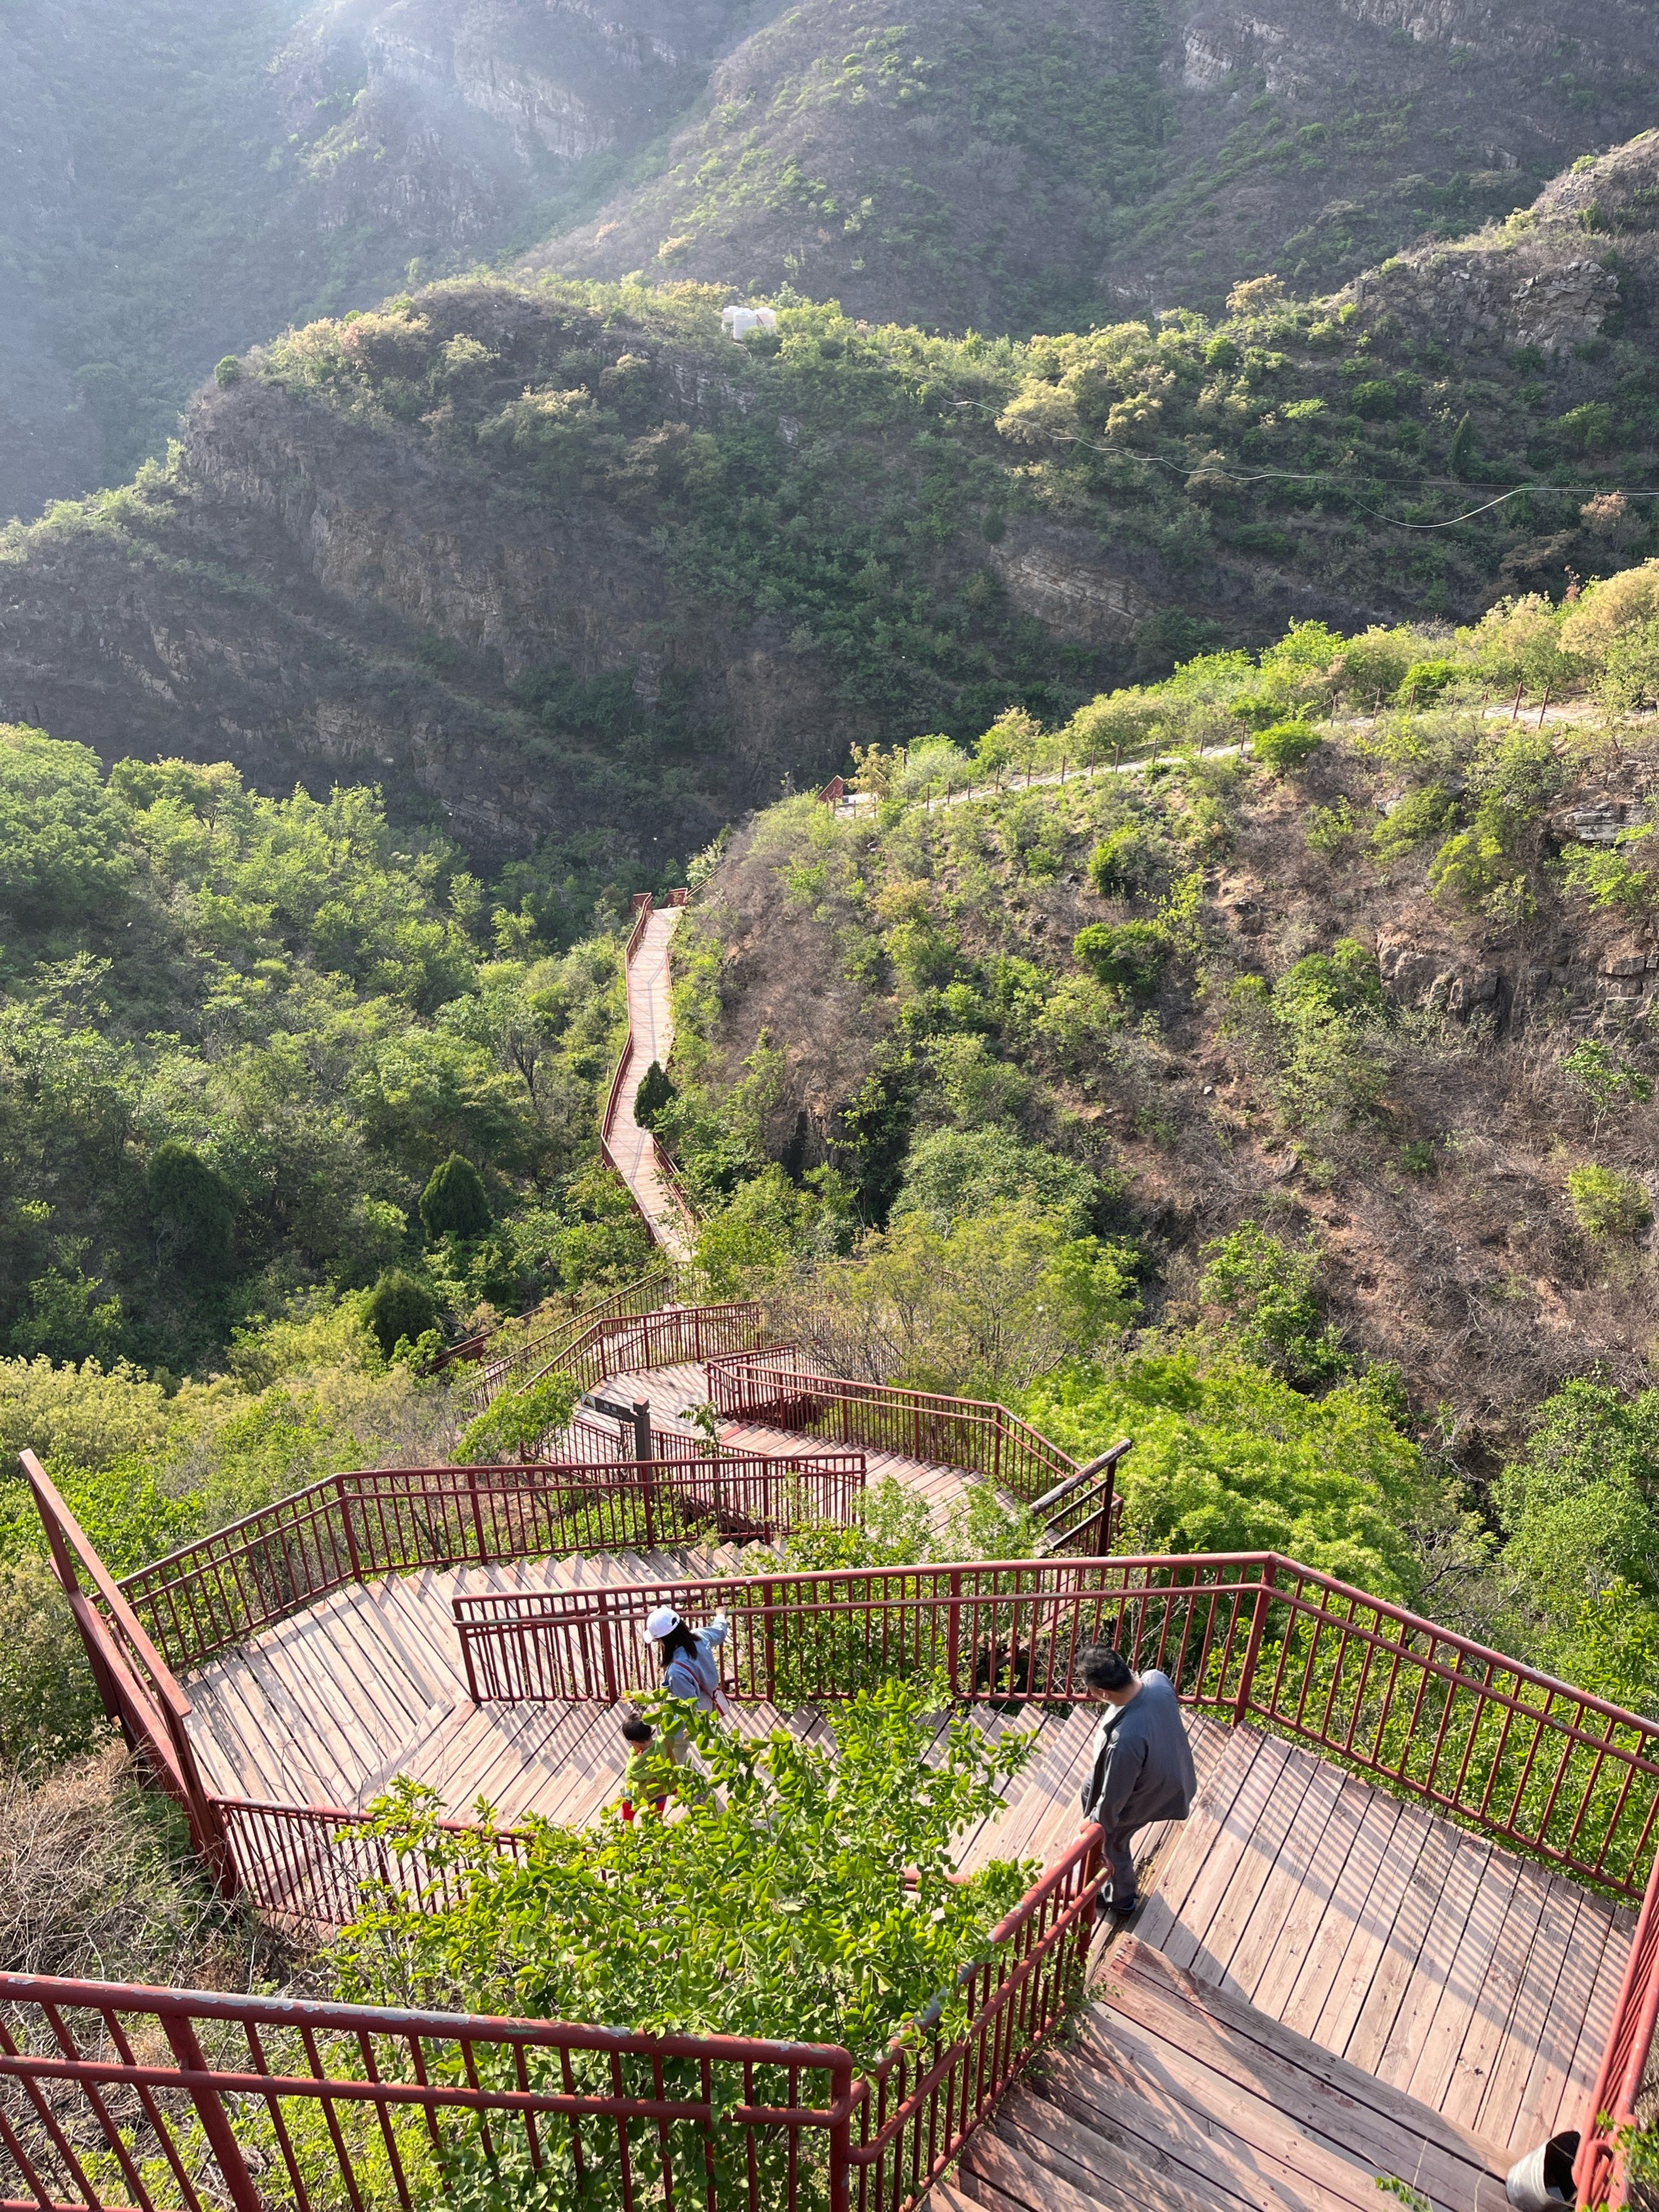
[[1176, 2096]]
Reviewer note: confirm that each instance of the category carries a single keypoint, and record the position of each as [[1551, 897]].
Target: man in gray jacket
[[1140, 1764]]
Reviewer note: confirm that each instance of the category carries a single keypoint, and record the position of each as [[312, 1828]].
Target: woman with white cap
[[689, 1667]]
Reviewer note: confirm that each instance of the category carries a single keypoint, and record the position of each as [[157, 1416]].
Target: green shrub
[[193, 1205], [514, 1424], [1376, 399], [1606, 1204], [454, 1202], [1424, 680], [1126, 860], [1228, 1458], [1268, 1292], [1285, 745], [802, 1886], [227, 370], [399, 1308], [657, 1091], [1129, 954]]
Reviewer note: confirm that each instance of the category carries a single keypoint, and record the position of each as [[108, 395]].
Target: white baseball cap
[[663, 1622]]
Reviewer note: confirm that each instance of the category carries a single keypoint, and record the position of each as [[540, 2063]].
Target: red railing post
[[239, 2184], [1253, 1647], [342, 1491], [953, 1634], [477, 1510], [841, 2134]]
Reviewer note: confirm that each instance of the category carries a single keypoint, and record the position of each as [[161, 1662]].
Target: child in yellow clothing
[[649, 1776]]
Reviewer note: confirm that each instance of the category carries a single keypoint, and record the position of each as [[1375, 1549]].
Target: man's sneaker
[[1126, 1911]]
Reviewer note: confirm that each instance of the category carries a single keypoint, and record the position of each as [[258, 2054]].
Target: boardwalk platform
[[1443, 1969], [668, 1390]]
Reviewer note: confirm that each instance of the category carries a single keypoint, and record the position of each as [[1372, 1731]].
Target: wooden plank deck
[[1455, 1973], [1334, 1932], [1175, 2093], [669, 1390], [328, 1707]]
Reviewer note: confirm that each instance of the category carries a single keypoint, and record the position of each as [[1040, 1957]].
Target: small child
[[647, 1774]]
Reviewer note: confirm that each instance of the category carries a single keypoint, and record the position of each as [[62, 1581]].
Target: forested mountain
[[239, 1036], [568, 569], [185, 177], [1065, 162]]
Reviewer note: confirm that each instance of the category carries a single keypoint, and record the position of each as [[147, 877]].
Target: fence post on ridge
[[1252, 1649]]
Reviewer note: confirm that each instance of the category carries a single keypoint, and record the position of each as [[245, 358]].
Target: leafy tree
[[1460, 459], [1579, 1511], [1228, 1458], [980, 1308], [399, 1308], [657, 1091], [952, 1175], [807, 1889], [1607, 1204], [1604, 1078], [454, 1202], [516, 1421], [193, 1204], [1269, 1293], [1285, 745], [1129, 954]]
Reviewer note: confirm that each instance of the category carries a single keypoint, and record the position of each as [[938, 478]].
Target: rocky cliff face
[[447, 121], [182, 178], [319, 599]]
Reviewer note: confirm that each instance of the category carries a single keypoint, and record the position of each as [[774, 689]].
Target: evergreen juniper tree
[[454, 1202]]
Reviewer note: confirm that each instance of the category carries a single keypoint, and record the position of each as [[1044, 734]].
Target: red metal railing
[[675, 1336], [980, 1438], [350, 1527], [134, 1682], [503, 1368], [1562, 1775], [919, 2106], [309, 1868], [1613, 2103], [113, 2096]]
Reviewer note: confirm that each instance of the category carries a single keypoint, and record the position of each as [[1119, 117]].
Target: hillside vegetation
[[576, 567], [241, 1037], [1042, 167], [1288, 1104], [187, 176]]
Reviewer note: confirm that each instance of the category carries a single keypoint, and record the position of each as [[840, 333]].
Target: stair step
[[1325, 2094], [999, 2171], [1191, 2128], [1174, 2093]]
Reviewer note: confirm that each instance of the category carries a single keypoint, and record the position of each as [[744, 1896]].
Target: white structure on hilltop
[[738, 321]]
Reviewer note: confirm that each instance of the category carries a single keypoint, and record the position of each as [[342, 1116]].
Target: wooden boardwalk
[[651, 1037], [1324, 1984], [669, 1390], [1446, 1970], [326, 1708], [1325, 1987]]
